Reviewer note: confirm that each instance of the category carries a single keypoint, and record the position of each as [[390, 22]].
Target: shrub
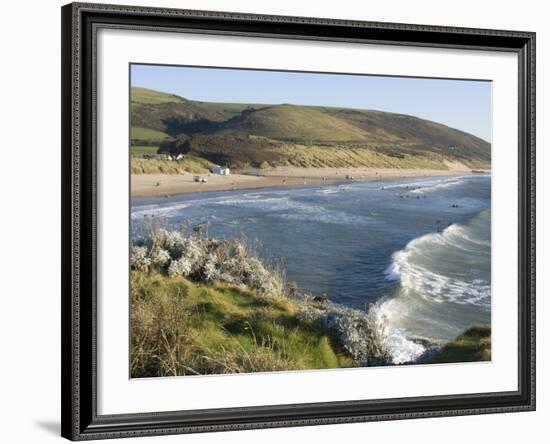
[[139, 258], [205, 259], [362, 335], [160, 258]]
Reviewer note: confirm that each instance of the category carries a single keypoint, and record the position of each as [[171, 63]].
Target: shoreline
[[360, 338], [164, 185]]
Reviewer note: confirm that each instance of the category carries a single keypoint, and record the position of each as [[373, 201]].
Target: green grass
[[138, 133], [180, 328], [189, 164], [138, 150], [150, 97], [229, 109], [288, 122], [473, 345]]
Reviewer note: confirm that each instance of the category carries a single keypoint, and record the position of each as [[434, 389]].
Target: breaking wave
[[423, 186], [444, 283], [158, 210]]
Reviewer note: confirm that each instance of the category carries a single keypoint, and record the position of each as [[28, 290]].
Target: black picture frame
[[80, 420]]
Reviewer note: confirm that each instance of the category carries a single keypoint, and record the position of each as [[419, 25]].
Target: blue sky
[[461, 104]]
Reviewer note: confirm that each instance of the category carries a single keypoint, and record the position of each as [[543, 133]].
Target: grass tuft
[[179, 327], [471, 346]]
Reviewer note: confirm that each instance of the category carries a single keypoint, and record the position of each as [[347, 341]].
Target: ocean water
[[416, 251]]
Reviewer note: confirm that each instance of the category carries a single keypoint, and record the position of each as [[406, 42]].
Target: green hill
[[400, 128], [296, 123], [150, 97], [253, 134]]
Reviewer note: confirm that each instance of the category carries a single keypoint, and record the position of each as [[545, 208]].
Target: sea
[[416, 252]]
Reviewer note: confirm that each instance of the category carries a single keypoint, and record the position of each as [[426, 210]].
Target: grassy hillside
[[147, 134], [243, 151], [247, 135], [229, 109], [297, 123], [202, 305], [419, 133], [174, 115], [179, 328], [471, 346], [150, 97]]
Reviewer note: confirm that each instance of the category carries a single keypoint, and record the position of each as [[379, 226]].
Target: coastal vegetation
[[189, 164], [180, 327], [471, 346], [203, 306]]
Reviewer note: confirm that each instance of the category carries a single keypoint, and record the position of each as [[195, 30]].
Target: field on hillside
[[139, 150], [138, 133]]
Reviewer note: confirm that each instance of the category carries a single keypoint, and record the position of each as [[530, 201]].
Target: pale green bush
[[205, 259]]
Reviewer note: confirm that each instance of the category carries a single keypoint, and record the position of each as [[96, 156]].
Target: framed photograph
[[282, 221]]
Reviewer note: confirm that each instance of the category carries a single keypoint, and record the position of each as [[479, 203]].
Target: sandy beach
[[157, 185]]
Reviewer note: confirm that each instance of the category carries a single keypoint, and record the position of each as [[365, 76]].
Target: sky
[[460, 104]]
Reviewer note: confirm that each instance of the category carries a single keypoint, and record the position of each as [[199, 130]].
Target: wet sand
[[157, 185]]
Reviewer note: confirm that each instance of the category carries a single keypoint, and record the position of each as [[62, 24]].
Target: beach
[[159, 185]]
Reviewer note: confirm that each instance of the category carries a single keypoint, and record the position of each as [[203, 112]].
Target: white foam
[[158, 210], [269, 203], [438, 186], [401, 349], [422, 186], [427, 286], [330, 190], [327, 217]]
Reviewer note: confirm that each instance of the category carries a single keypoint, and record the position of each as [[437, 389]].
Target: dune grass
[[183, 328], [471, 346], [315, 156], [189, 164]]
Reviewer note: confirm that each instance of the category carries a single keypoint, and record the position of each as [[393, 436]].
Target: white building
[[223, 171]]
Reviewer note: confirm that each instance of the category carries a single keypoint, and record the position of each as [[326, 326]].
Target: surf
[[443, 286]]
